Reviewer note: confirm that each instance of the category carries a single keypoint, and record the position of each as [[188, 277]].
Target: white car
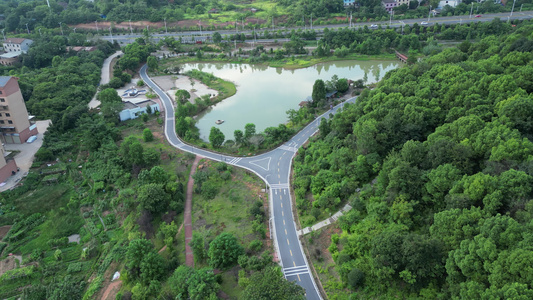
[[374, 26], [424, 23]]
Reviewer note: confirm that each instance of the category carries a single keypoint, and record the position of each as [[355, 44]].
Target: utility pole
[[350, 19], [165, 19], [131, 30], [311, 21], [390, 19], [111, 34], [39, 32], [471, 8], [512, 9], [74, 29], [303, 20], [48, 2], [61, 27], [96, 22], [242, 22], [521, 7], [429, 13], [4, 34], [29, 30]]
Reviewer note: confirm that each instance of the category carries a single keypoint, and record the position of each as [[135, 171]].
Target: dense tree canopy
[[448, 141]]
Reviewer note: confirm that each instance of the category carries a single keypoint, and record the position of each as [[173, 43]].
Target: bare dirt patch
[[109, 288], [7, 264], [4, 230]]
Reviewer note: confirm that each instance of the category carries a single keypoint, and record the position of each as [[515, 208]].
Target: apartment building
[[15, 127], [7, 167], [17, 45]]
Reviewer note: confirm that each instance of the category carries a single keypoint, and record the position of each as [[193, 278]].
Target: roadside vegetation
[[213, 15], [448, 143]]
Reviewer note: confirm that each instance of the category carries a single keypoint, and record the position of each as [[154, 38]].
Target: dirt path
[[189, 257], [112, 290]]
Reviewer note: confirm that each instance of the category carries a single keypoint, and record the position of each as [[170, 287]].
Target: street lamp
[[110, 34], [61, 27], [4, 34], [165, 19], [40, 32], [96, 22], [429, 13], [131, 30], [27, 28], [311, 21], [471, 8], [512, 8]]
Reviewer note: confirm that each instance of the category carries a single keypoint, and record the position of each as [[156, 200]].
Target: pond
[[264, 94]]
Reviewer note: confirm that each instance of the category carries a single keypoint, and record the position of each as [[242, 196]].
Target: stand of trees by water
[[447, 145]]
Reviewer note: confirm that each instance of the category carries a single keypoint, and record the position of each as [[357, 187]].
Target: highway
[[205, 35], [274, 168]]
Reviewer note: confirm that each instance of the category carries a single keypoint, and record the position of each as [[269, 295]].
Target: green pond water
[[264, 94]]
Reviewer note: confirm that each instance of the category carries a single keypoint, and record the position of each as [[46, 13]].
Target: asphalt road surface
[[206, 35], [274, 168]]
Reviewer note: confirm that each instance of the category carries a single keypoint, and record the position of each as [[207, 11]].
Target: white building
[[17, 45], [132, 110], [452, 3]]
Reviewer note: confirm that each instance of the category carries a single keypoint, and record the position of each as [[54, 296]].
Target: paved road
[[104, 77], [205, 35], [274, 168]]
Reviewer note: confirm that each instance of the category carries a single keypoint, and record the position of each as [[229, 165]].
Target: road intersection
[[274, 168]]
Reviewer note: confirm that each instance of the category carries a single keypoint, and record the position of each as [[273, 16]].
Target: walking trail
[[189, 257]]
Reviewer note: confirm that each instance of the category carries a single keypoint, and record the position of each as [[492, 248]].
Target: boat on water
[[218, 122]]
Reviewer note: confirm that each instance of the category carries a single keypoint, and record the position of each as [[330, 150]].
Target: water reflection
[[264, 94]]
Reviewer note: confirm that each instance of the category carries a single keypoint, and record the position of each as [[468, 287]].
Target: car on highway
[[424, 23], [374, 26], [478, 16]]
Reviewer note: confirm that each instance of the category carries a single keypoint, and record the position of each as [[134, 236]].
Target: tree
[[239, 136], [111, 104], [216, 137], [319, 91], [270, 284], [342, 85], [152, 63], [249, 130], [153, 197], [217, 38], [137, 249], [147, 135], [152, 267], [224, 251], [198, 246], [188, 283], [183, 96]]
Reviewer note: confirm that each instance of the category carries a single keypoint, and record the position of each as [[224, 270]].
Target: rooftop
[[11, 54], [388, 1], [15, 40], [4, 80]]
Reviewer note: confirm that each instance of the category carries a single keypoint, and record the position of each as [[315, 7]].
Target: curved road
[[274, 168]]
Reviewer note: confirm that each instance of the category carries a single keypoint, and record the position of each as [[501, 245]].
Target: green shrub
[[255, 245], [147, 134]]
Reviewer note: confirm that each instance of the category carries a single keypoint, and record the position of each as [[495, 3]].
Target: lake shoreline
[[287, 64]]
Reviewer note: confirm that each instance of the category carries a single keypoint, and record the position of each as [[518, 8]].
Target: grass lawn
[[229, 210], [44, 199]]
